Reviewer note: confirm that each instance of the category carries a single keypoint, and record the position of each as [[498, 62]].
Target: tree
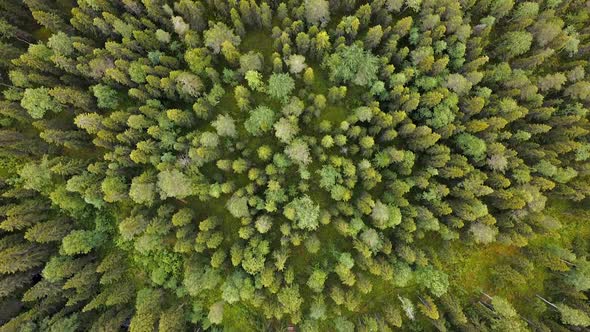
[[172, 319], [471, 145], [209, 140], [231, 288], [372, 240], [219, 33], [230, 52], [197, 59], [483, 233], [180, 26], [50, 20], [260, 120], [380, 213], [436, 281], [114, 189], [264, 152], [215, 315], [313, 244], [38, 101], [188, 85], [552, 81], [296, 63], [317, 312], [317, 12], [238, 206], [503, 307], [182, 217], [254, 80], [366, 142], [251, 61], [408, 307], [428, 307], [80, 242], [36, 176], [61, 43], [263, 224], [458, 83], [573, 316], [174, 183], [502, 8], [308, 76], [403, 26], [225, 126], [53, 230], [143, 189], [316, 280], [293, 108], [286, 129], [349, 25], [162, 36], [329, 176], [298, 151], [579, 277], [290, 299], [304, 211], [373, 37], [106, 96], [579, 90], [385, 216], [280, 86], [515, 43], [352, 64]]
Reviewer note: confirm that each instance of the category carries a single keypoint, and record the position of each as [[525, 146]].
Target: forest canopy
[[325, 165]]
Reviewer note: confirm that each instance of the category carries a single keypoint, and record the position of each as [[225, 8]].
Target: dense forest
[[316, 165]]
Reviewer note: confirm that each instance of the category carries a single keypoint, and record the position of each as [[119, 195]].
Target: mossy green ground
[[473, 268]]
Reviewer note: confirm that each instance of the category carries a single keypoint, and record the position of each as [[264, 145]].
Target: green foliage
[[38, 101], [114, 189], [61, 43], [330, 165], [516, 43], [503, 307], [471, 145], [217, 35], [143, 189], [579, 277], [298, 151], [197, 59], [225, 126], [573, 316], [290, 299], [280, 86], [174, 184], [352, 64], [317, 12], [436, 281], [297, 64], [106, 96], [286, 130], [304, 212], [238, 206], [36, 176], [254, 80], [80, 242], [260, 120], [316, 280]]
